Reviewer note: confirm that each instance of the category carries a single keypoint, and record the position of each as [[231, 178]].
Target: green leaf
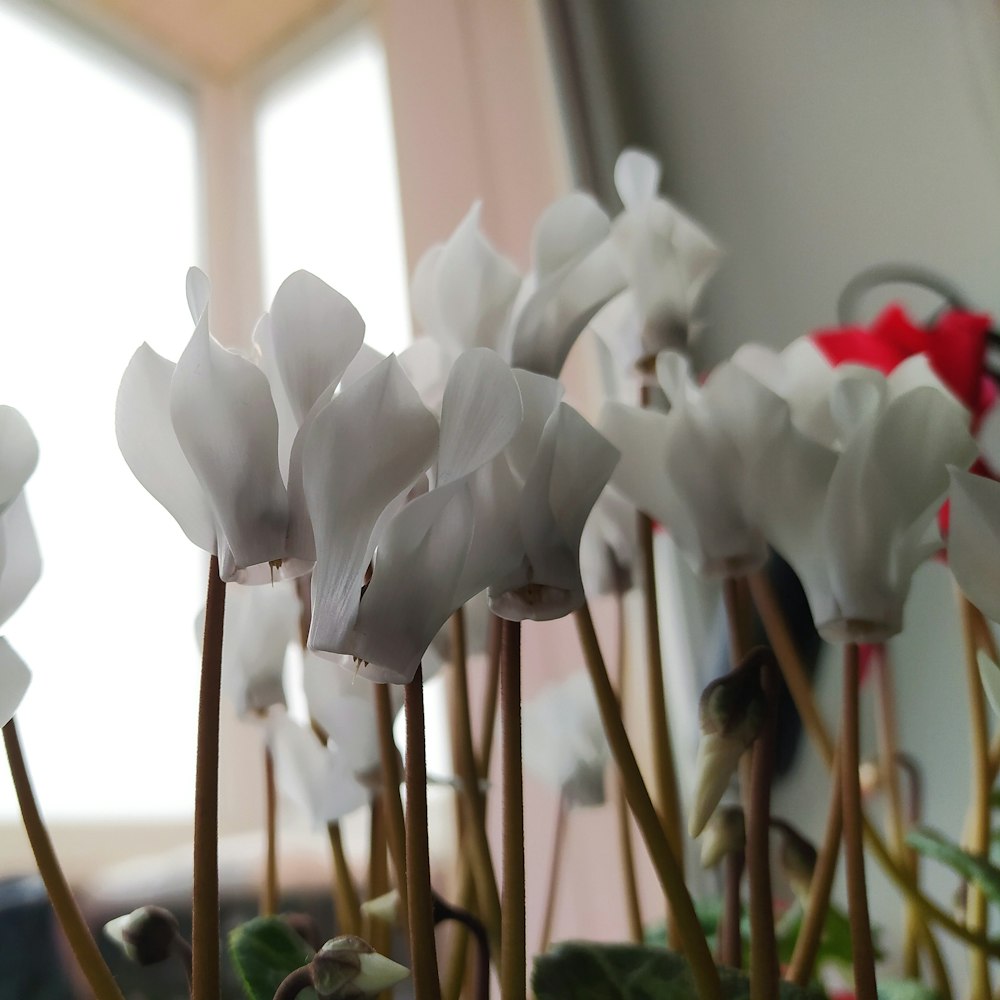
[[971, 867], [583, 970], [834, 944], [906, 990], [264, 951]]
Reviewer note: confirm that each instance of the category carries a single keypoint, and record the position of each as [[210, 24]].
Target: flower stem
[[857, 893], [395, 824], [294, 983], [377, 933], [205, 911], [471, 794], [667, 866], [346, 903], [445, 911], [764, 972], [730, 939], [664, 768], [513, 949], [633, 908], [269, 893], [979, 833], [800, 970], [71, 920], [423, 951], [555, 870], [493, 649]]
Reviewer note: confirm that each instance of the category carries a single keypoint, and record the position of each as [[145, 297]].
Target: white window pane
[[328, 182], [98, 200]]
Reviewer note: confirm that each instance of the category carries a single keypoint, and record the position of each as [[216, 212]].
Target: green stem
[[857, 892], [423, 950], [513, 948], [667, 866], [205, 911], [64, 905]]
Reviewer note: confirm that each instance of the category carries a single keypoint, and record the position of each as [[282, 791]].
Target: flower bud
[[348, 968], [725, 833], [797, 857], [146, 935], [732, 712], [383, 909], [869, 778]]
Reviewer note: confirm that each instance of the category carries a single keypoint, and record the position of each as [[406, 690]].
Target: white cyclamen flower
[[974, 539], [20, 561], [564, 741], [856, 517], [203, 435]]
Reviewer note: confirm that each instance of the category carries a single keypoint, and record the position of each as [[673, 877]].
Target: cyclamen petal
[[348, 482], [15, 678], [227, 426], [316, 332], [18, 454], [149, 445], [974, 539], [637, 177], [20, 560]]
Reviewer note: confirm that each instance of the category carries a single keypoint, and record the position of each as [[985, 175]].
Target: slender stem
[[423, 951], [664, 768], [445, 911], [182, 949], [798, 685], [490, 700], [377, 933], [454, 979], [471, 795], [395, 824], [513, 949], [294, 983], [800, 970], [64, 904], [346, 903], [205, 912], [888, 746], [857, 892], [555, 870], [730, 939], [668, 868], [269, 892], [734, 598], [764, 972], [633, 908], [979, 834]]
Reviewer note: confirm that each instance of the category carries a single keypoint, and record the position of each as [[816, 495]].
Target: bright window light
[[98, 202], [328, 182]]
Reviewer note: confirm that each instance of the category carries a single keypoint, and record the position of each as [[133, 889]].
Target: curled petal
[[637, 177], [316, 331], [14, 680], [974, 539], [364, 361], [20, 560], [199, 291], [368, 445], [149, 445], [641, 475], [413, 587], [18, 454], [227, 426], [427, 364]]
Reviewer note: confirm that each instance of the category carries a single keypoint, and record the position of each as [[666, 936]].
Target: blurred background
[[811, 138]]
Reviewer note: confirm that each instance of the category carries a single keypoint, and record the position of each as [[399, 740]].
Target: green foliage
[[973, 868], [834, 944], [906, 990], [583, 970], [264, 951]]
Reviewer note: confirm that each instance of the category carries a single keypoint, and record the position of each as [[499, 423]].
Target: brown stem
[[857, 892], [471, 795], [205, 911], [475, 927], [294, 983], [555, 870], [395, 824], [764, 972], [423, 951], [269, 890], [513, 950], [633, 908], [800, 970], [667, 866], [730, 939], [664, 768], [377, 933], [491, 697], [888, 746], [64, 904], [346, 903], [979, 833]]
